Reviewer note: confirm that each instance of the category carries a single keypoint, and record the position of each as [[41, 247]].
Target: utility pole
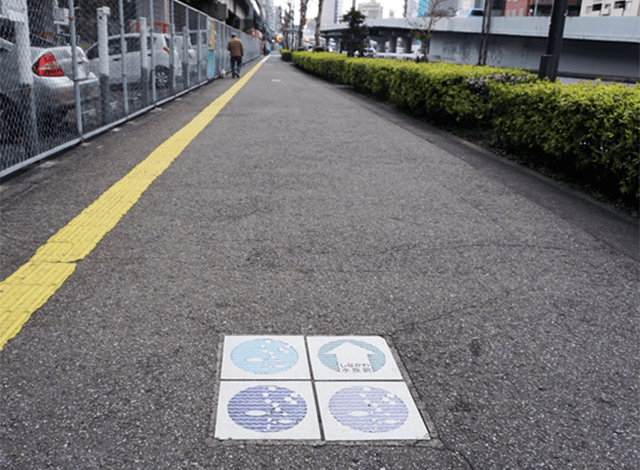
[[550, 60], [486, 28]]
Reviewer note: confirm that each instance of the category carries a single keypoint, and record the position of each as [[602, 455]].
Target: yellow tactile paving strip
[[31, 285]]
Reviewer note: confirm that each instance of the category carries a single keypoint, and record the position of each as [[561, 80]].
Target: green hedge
[[286, 55], [323, 64], [457, 93], [589, 131]]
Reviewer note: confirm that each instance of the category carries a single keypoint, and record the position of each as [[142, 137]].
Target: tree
[[303, 22], [353, 39], [286, 23], [424, 26], [318, 22]]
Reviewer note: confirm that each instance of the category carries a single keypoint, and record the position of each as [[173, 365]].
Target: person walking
[[237, 51]]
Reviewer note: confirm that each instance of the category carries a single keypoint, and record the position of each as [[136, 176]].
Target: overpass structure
[[245, 15], [607, 48]]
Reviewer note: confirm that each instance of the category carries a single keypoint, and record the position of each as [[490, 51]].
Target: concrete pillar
[[393, 44], [407, 41]]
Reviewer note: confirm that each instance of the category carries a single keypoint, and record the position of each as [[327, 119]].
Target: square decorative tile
[[352, 358], [354, 411], [266, 410], [265, 358]]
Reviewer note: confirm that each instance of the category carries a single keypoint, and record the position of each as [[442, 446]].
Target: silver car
[[369, 52], [52, 91], [133, 58], [192, 56]]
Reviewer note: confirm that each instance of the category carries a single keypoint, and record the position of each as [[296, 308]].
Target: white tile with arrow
[[352, 358]]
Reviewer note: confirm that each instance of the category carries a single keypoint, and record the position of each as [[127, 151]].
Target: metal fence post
[[154, 95], [103, 55], [185, 56], [199, 41], [74, 59], [187, 37], [123, 52], [23, 49], [144, 62], [211, 56], [172, 52]]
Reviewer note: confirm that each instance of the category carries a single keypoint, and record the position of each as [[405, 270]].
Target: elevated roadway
[[607, 48]]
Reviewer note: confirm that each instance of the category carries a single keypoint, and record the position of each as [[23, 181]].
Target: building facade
[[538, 7], [331, 12], [443, 7], [610, 8], [371, 10]]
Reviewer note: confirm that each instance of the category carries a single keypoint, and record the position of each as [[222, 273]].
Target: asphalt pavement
[[509, 302]]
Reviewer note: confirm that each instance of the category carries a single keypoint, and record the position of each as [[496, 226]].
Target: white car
[[369, 52], [192, 56], [53, 85], [133, 58]]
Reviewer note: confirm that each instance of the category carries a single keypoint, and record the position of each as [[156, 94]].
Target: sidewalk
[[302, 209]]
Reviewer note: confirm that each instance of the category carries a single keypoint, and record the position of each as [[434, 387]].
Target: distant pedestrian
[[237, 51]]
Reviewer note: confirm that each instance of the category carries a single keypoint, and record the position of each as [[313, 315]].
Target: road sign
[[352, 358]]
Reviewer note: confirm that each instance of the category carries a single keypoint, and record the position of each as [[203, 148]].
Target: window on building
[[620, 5], [597, 7]]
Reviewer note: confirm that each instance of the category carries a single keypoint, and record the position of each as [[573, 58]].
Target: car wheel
[[10, 121], [162, 77]]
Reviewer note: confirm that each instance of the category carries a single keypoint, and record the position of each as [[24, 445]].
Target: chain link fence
[[70, 69]]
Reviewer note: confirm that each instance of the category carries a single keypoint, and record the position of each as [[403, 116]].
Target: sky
[[312, 7]]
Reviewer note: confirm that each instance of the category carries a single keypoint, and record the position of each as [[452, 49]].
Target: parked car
[[469, 12], [369, 52], [52, 91], [192, 58], [133, 59]]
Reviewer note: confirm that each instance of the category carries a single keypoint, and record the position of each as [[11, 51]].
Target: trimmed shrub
[[325, 65], [436, 91], [286, 55], [587, 131], [590, 129]]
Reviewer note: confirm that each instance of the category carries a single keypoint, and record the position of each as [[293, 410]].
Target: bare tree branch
[[423, 26]]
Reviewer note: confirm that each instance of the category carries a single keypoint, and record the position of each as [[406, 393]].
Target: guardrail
[[67, 74]]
